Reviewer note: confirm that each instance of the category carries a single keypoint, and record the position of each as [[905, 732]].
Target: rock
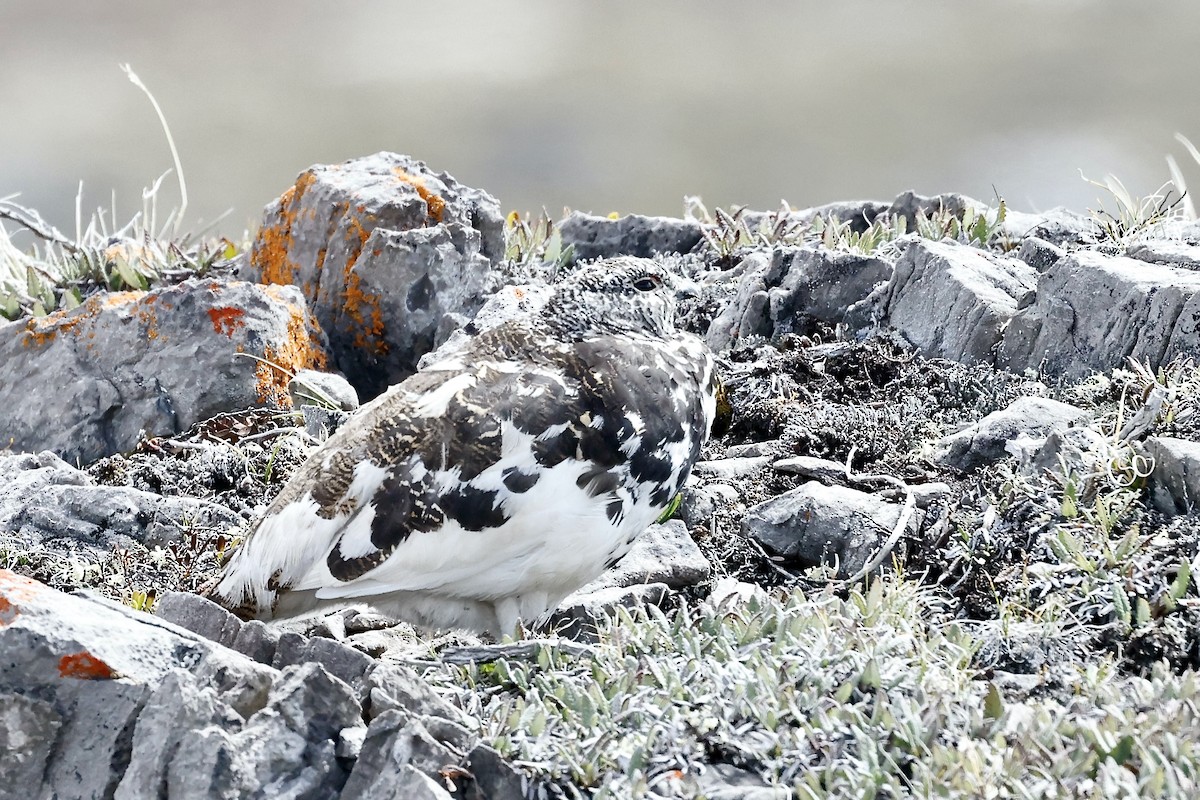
[[91, 381], [1056, 226], [631, 235], [727, 782], [340, 660], [954, 301], [1168, 252], [290, 743], [199, 615], [816, 524], [783, 292], [1039, 254], [493, 777], [321, 423], [53, 642], [406, 293], [1093, 312], [1175, 482], [28, 730], [580, 612], [310, 387], [43, 499], [752, 449], [92, 750], [813, 468], [176, 707], [730, 469], [391, 256], [989, 440], [395, 741], [391, 685]]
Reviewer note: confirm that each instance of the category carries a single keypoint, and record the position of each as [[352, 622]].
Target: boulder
[[395, 741], [815, 524], [786, 290], [89, 382], [1039, 254], [1170, 252], [1093, 312], [1175, 482], [954, 301], [44, 499], [996, 436], [391, 256], [632, 235]]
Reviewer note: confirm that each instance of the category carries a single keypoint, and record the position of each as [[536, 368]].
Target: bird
[[480, 491]]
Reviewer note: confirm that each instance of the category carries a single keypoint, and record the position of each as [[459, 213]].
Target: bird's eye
[[648, 283]]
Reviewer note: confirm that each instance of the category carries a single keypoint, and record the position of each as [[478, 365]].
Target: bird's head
[[619, 295]]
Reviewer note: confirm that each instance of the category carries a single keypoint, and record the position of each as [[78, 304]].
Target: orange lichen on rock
[[227, 319], [436, 205], [14, 589], [43, 330], [84, 665], [366, 314], [299, 350], [271, 255]]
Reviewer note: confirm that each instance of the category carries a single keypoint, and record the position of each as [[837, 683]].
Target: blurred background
[[619, 106]]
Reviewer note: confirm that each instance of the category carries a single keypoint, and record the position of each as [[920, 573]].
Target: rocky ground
[[947, 545]]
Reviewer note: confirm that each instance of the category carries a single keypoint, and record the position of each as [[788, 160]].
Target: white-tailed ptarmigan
[[488, 486]]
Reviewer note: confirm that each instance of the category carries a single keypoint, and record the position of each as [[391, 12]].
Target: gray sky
[[615, 106]]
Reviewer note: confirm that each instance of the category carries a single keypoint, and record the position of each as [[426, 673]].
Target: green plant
[[1134, 217], [529, 241]]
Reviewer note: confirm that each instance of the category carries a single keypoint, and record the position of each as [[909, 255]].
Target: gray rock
[[28, 730], [340, 660], [199, 615], [1166, 251], [730, 469], [579, 613], [395, 686], [407, 292], [632, 235], [394, 741], [1039, 254], [784, 291], [493, 777], [291, 742], [176, 707], [310, 387], [752, 449], [391, 256], [954, 301], [727, 782], [990, 439], [321, 423], [91, 381], [93, 745], [1093, 312], [1175, 482], [818, 469], [42, 498], [816, 524], [1056, 226]]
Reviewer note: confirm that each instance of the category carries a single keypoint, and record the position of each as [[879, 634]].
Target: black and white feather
[[491, 484]]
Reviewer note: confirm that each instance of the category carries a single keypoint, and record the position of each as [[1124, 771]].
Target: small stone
[[309, 387], [815, 524], [1175, 482], [987, 441]]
